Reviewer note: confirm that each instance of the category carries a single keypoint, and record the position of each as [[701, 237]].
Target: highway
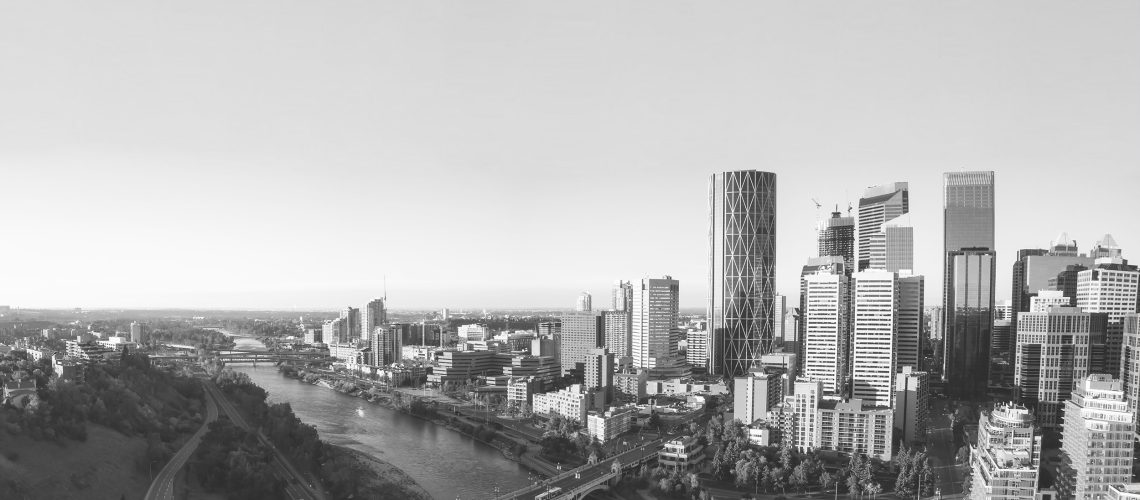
[[162, 488], [296, 486]]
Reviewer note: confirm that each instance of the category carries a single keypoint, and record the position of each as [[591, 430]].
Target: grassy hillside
[[106, 465]]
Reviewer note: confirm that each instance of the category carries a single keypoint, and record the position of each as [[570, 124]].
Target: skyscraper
[[1109, 288], [1036, 268], [893, 245], [825, 325], [350, 329], [968, 280], [911, 336], [584, 303], [616, 325], [371, 316], [742, 268], [837, 238], [621, 297], [581, 333], [136, 332], [1130, 364], [874, 307], [599, 372], [1052, 358], [968, 322], [878, 205], [386, 342], [655, 332]]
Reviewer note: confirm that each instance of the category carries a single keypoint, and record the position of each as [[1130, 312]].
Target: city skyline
[[124, 197]]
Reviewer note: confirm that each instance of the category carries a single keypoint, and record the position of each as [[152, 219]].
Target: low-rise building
[[856, 426], [523, 389], [631, 385], [572, 403], [18, 392], [1130, 491], [460, 366], [683, 453], [86, 351], [608, 425], [682, 386], [38, 353]]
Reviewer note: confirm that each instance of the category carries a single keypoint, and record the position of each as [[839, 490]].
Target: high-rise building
[[1096, 448], [697, 348], [911, 335], [1045, 299], [655, 334], [1066, 282], [968, 322], [837, 238], [874, 307], [742, 268], [1052, 358], [1130, 364], [386, 344], [825, 323], [621, 298], [878, 205], [584, 303], [136, 332], [582, 332], [893, 246], [968, 281], [755, 394], [1001, 340], [1035, 269], [1007, 456], [617, 325], [911, 405], [831, 265], [371, 316], [1003, 309], [1110, 288], [1106, 248], [351, 326], [779, 309], [599, 374], [805, 399]]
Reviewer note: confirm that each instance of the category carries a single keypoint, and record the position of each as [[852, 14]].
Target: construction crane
[[817, 205]]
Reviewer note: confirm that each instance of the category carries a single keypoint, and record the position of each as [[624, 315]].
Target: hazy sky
[[291, 153]]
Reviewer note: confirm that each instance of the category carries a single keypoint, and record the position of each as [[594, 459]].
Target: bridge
[[238, 356], [577, 483]]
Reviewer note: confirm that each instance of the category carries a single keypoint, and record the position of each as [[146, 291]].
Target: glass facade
[[968, 322], [878, 205], [742, 269]]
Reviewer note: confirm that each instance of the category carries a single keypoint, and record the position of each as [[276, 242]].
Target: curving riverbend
[[447, 464]]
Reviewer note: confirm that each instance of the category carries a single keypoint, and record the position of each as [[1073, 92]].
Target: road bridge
[[577, 483], [260, 356]]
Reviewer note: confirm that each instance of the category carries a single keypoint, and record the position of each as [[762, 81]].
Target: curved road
[[162, 488]]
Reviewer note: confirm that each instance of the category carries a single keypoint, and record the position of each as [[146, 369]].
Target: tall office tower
[[1112, 289], [968, 322], [600, 373], [874, 307], [825, 325], [1066, 282], [1106, 248], [878, 205], [911, 335], [742, 269], [621, 297], [755, 393], [912, 405], [549, 329], [584, 303], [371, 316], [1007, 456], [1001, 341], [1003, 309], [779, 309], [1130, 364], [582, 332], [832, 264], [1052, 357], [351, 328], [806, 397], [386, 342], [1096, 448], [655, 333], [1035, 269], [616, 325], [837, 238], [332, 331], [968, 281], [136, 332], [1045, 299], [893, 245], [937, 327]]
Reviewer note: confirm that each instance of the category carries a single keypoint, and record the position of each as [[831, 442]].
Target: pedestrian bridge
[[577, 483]]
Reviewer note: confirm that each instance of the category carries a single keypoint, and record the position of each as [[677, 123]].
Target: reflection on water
[[447, 464]]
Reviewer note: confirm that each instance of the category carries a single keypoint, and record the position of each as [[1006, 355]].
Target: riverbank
[[380, 479], [511, 448]]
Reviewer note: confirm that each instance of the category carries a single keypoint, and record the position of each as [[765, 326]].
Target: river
[[447, 464]]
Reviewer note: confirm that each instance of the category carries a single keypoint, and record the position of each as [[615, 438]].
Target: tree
[[826, 480], [799, 478]]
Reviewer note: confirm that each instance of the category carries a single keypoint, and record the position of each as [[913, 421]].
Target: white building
[[571, 403], [1096, 446], [805, 400], [611, 424], [371, 316], [473, 333], [1048, 298], [1124, 491], [584, 302], [1112, 289], [1007, 457], [697, 348], [875, 303], [1130, 365], [825, 329], [1052, 357]]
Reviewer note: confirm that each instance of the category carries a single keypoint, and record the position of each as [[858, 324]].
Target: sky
[[298, 154]]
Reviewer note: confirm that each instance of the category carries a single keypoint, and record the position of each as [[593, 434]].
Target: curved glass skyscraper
[[742, 269]]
